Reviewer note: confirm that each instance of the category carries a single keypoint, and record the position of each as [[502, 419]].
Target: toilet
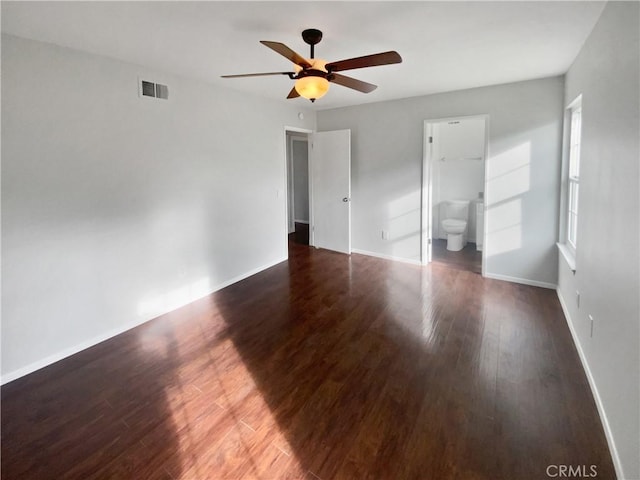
[[455, 216]]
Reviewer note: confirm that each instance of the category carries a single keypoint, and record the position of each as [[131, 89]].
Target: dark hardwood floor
[[301, 234], [469, 258], [326, 366]]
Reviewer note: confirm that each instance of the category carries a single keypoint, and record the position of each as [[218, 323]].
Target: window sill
[[568, 255]]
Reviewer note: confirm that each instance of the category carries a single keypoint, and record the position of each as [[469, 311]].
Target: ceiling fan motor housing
[[312, 73], [312, 36]]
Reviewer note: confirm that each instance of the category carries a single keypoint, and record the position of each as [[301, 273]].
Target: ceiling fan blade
[[286, 52], [257, 74], [349, 82], [293, 93], [385, 58]]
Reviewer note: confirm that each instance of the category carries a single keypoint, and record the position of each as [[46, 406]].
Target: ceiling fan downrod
[[312, 36]]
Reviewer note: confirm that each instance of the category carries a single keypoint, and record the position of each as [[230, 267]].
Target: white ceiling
[[445, 45]]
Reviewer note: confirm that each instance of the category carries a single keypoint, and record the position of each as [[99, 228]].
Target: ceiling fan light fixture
[[313, 75], [312, 87]]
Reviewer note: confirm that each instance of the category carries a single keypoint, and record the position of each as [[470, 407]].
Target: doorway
[[298, 198], [454, 173], [326, 192]]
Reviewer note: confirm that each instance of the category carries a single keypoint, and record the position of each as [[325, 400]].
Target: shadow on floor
[[371, 369], [106, 412], [326, 366]]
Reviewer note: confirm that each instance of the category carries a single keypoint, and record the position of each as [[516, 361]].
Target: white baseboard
[[301, 221], [386, 257], [67, 352], [523, 281], [248, 274], [594, 390]]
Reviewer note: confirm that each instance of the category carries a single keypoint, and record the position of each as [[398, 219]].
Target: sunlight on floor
[[412, 307], [428, 309], [222, 421]]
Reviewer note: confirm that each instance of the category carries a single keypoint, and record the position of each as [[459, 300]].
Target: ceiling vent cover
[[154, 90]]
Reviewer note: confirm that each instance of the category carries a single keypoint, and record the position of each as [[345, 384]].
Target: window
[[575, 122]]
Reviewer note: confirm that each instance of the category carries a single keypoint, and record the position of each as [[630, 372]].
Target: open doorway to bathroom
[[298, 187], [453, 192]]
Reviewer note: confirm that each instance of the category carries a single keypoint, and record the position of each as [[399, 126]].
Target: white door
[[331, 190]]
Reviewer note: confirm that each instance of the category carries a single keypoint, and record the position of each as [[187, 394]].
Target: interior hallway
[[300, 235]]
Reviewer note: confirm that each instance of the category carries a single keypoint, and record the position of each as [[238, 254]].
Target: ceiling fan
[[313, 75]]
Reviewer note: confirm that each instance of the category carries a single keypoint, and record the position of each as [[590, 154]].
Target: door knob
[[345, 199]]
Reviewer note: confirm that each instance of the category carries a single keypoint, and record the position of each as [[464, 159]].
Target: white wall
[[117, 208], [462, 138], [525, 128], [607, 263]]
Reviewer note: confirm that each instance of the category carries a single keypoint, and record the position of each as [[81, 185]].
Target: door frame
[[426, 191], [308, 133]]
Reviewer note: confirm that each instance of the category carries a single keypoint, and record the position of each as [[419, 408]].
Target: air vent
[[154, 90], [162, 91], [148, 89]]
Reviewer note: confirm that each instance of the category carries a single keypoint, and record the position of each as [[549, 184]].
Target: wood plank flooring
[[469, 258], [301, 234], [326, 366]]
